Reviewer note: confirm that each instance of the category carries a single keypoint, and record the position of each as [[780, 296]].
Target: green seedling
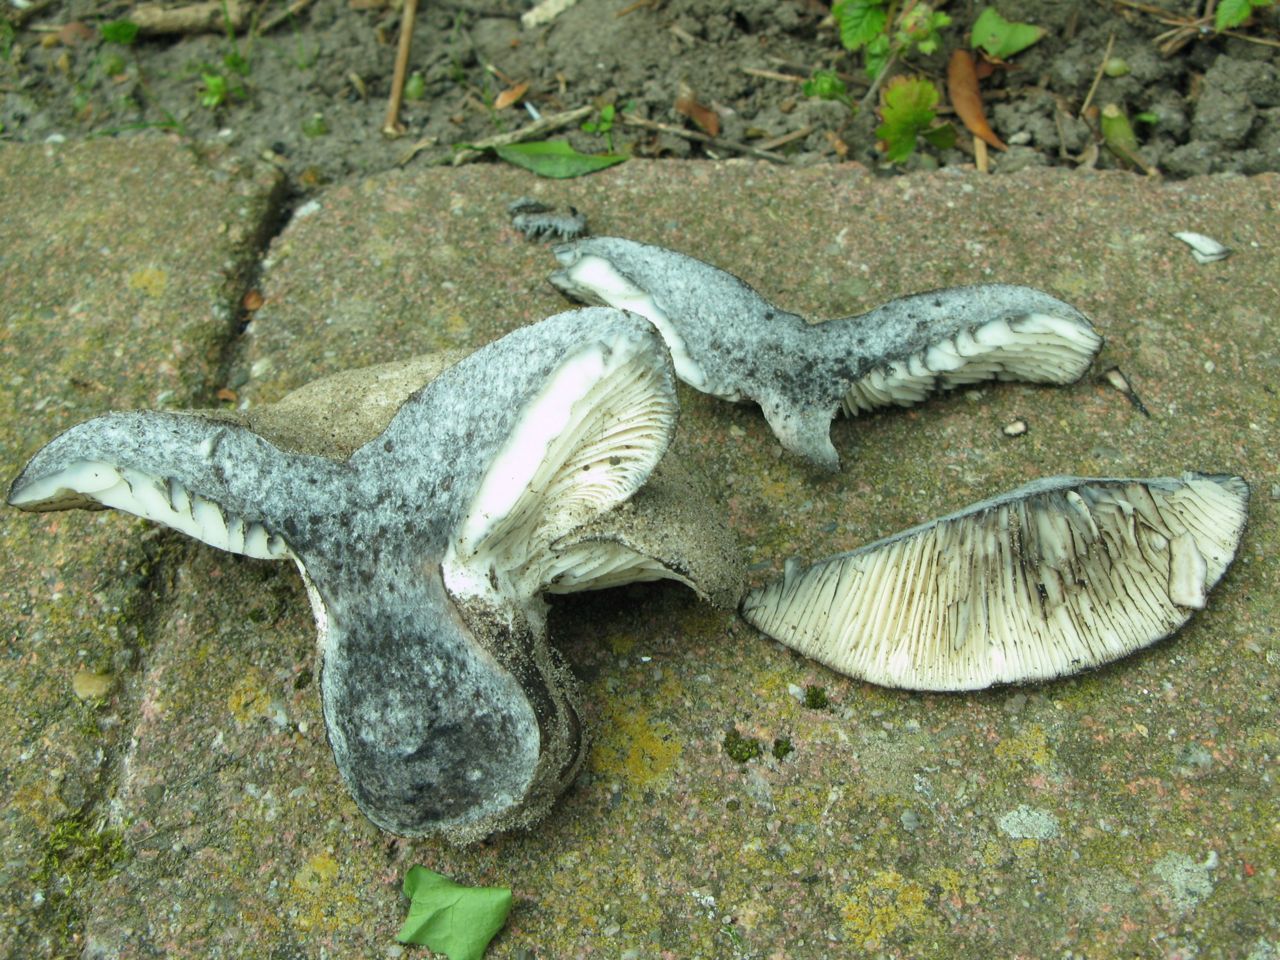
[[827, 85], [883, 31], [315, 126], [1230, 14], [122, 32], [213, 90], [603, 124], [218, 85], [415, 88], [1000, 38], [907, 113]]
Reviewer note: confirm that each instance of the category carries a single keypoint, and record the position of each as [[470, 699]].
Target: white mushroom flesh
[[162, 499], [1039, 348], [1035, 585], [584, 445], [602, 279]]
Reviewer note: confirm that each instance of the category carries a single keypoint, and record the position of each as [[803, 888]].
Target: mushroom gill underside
[[1058, 576]]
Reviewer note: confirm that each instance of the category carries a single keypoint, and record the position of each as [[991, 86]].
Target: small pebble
[[88, 685], [1015, 429]]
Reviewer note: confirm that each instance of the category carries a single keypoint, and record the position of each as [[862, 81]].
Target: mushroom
[[426, 526], [727, 340], [1054, 577]]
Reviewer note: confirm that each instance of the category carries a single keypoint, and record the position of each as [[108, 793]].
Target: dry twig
[[391, 125], [732, 145]]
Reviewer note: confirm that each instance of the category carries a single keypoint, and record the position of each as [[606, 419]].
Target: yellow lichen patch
[[249, 699], [39, 802], [1029, 746], [632, 747], [318, 898], [149, 281], [882, 906]]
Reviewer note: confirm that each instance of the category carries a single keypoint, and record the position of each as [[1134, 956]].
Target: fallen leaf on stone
[[452, 919]]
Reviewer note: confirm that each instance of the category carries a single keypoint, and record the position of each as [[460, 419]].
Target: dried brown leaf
[[687, 105], [509, 96], [962, 88]]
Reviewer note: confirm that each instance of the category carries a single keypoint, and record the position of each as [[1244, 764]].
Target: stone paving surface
[[194, 810]]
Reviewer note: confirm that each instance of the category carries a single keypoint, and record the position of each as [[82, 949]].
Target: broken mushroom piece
[[1055, 577], [727, 340], [425, 547]]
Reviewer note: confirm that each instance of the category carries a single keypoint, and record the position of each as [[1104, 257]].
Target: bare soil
[[310, 93]]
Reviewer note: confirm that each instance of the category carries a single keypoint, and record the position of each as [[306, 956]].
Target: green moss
[[782, 747], [75, 852], [815, 698], [739, 748]]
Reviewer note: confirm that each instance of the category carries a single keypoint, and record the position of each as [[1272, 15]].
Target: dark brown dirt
[[310, 94]]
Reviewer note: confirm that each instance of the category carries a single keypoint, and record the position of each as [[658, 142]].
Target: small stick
[[633, 7], [772, 75], [1097, 77], [703, 138], [154, 18], [786, 138], [391, 125], [552, 121], [980, 155], [289, 12]]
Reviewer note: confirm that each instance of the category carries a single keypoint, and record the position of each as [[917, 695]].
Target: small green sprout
[[872, 27], [603, 124], [415, 88], [827, 85], [213, 92], [782, 747], [123, 32], [315, 126]]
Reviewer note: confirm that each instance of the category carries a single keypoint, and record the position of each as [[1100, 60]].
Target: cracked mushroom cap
[[424, 524], [1055, 577], [727, 340]]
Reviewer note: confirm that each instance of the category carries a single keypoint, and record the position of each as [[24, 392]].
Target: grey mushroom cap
[[727, 340], [424, 540], [1052, 578]]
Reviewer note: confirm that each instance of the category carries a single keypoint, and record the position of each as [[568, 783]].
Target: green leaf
[[123, 32], [555, 158], [449, 918], [876, 55], [860, 21], [942, 137], [906, 111], [1232, 13], [1001, 38], [826, 85]]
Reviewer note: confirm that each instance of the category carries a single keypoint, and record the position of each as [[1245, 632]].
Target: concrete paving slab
[[120, 273], [1131, 811]]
